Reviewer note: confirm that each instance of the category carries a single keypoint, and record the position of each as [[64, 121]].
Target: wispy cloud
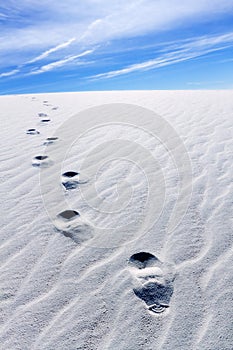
[[3, 16], [125, 19], [41, 36], [176, 53], [59, 63], [53, 49], [10, 73], [98, 21], [227, 60]]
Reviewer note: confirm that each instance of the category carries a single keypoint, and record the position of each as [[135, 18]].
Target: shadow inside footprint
[[45, 120], [69, 214], [70, 174], [142, 260], [153, 281], [52, 138], [41, 157]]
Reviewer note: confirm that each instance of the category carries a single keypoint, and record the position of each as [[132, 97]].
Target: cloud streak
[[52, 50], [60, 63], [10, 73]]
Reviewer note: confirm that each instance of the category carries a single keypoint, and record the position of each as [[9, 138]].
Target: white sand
[[69, 287]]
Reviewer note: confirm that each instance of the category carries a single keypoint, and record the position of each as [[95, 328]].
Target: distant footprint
[[72, 225], [54, 108], [41, 161], [32, 132], [153, 281], [50, 140], [45, 120], [42, 115], [71, 179], [46, 103]]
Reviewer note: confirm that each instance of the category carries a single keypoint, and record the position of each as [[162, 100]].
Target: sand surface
[[76, 271]]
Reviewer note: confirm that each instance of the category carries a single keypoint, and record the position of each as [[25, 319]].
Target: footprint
[[152, 281], [72, 225], [54, 108], [41, 161], [50, 140], [45, 120], [42, 115], [71, 179], [32, 132], [46, 103]]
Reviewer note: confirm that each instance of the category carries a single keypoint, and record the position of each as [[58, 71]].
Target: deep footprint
[[153, 281], [41, 161], [72, 225], [32, 132], [70, 179], [50, 140]]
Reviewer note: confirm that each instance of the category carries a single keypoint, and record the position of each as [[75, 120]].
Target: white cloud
[[95, 21], [53, 49], [60, 63], [10, 73], [139, 17]]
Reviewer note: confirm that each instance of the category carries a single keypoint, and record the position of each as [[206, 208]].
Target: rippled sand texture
[[64, 287]]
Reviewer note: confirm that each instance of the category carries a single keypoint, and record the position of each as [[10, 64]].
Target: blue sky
[[82, 45]]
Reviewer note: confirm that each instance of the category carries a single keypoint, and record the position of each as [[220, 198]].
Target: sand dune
[[77, 268]]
